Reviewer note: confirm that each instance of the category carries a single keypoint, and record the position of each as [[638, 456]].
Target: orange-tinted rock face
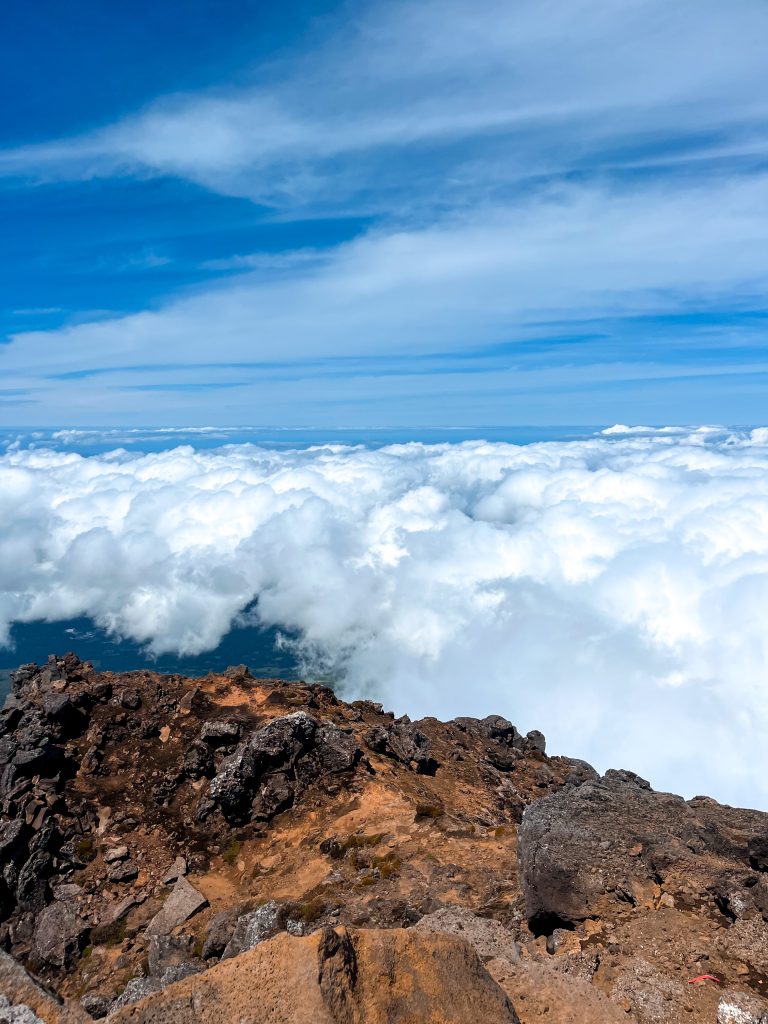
[[345, 977], [172, 824]]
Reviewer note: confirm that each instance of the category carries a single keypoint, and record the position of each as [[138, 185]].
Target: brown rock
[[21, 989], [363, 977]]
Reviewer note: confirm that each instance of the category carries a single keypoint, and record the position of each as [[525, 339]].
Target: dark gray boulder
[[32, 883], [405, 742], [610, 841], [220, 931], [198, 760], [275, 794], [757, 850], [66, 720], [59, 935], [97, 1004], [220, 733], [270, 751]]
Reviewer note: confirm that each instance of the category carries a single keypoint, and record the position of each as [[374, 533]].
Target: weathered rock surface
[[737, 1008], [255, 927], [183, 902], [489, 938], [150, 824], [23, 993], [585, 849], [19, 1014], [59, 935], [368, 977]]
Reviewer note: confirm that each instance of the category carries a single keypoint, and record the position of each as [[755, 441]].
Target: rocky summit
[[248, 850]]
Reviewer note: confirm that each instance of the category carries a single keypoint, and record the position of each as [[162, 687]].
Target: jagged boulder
[[59, 935], [332, 751], [614, 841], [255, 927], [275, 746], [404, 742]]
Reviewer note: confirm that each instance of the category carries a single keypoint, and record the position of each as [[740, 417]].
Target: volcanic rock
[[585, 849], [219, 932], [183, 902], [376, 977], [587, 899], [167, 951], [221, 732], [59, 935], [254, 927]]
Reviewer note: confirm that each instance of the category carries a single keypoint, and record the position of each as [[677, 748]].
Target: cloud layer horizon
[[609, 591]]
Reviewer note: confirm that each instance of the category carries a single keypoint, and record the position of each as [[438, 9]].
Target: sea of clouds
[[611, 591]]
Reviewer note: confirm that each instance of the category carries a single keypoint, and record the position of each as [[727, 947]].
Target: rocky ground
[[251, 850]]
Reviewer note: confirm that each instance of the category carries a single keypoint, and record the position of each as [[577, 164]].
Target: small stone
[[177, 870], [165, 734], [126, 871], [97, 1004], [116, 853]]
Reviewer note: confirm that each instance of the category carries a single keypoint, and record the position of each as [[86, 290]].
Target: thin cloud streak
[[574, 255], [558, 78], [507, 165]]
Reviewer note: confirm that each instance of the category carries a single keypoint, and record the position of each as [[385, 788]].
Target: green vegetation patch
[[232, 852]]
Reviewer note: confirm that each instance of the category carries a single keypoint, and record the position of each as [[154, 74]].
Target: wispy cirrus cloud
[[495, 274], [538, 88], [536, 169]]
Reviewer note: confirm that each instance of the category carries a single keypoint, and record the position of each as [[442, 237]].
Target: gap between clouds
[[609, 591]]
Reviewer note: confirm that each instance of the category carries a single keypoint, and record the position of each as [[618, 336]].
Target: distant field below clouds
[[610, 589]]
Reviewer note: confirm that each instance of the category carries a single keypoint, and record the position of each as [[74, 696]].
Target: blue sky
[[419, 213]]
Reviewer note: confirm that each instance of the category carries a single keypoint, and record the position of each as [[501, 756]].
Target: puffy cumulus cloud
[[611, 591]]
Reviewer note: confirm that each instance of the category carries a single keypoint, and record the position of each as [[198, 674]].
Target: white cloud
[[609, 591], [575, 254], [509, 160], [557, 79]]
